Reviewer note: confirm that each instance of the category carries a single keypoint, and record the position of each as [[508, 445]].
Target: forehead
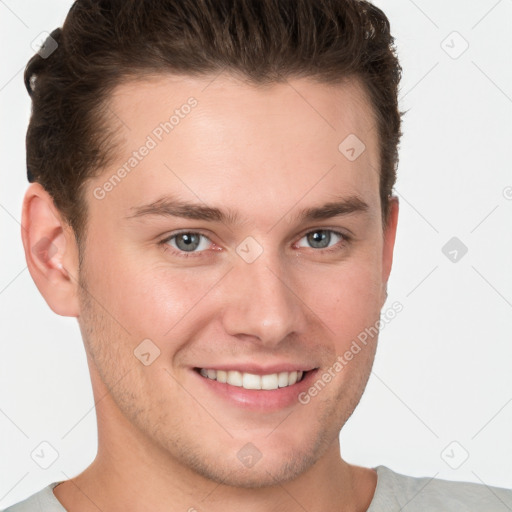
[[301, 105], [217, 138]]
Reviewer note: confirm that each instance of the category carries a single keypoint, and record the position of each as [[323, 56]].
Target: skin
[[165, 440]]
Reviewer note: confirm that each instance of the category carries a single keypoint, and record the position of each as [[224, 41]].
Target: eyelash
[[183, 254]]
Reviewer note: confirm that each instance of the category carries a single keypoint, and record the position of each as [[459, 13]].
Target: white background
[[443, 368]]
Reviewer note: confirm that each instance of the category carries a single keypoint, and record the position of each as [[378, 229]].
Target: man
[[266, 133]]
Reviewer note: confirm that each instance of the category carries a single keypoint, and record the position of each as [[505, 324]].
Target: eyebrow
[[174, 207]]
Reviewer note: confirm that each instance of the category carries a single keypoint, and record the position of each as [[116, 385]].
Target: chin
[[246, 466], [265, 473]]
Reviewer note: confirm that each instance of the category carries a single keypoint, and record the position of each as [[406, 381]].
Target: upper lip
[[257, 369]]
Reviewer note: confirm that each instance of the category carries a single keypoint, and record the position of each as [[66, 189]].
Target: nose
[[262, 301]]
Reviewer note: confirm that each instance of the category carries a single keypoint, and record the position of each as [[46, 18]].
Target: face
[[242, 246]]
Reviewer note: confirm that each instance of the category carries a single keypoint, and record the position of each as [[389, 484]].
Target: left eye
[[187, 242], [320, 238]]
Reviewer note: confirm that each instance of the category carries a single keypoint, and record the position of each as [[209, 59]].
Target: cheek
[[346, 297], [152, 299]]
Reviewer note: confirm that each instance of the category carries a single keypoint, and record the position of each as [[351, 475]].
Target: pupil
[[318, 237], [189, 240]]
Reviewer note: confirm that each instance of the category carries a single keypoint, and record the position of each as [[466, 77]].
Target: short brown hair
[[104, 42]]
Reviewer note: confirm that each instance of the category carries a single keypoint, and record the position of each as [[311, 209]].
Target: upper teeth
[[252, 381]]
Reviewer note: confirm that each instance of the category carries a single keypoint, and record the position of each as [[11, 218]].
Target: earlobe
[[50, 251]]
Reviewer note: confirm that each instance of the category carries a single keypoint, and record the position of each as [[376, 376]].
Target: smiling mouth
[[246, 380]]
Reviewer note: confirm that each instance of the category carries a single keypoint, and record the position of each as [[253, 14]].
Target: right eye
[[185, 243]]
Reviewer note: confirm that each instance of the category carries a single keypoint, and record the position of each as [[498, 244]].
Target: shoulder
[[395, 492], [41, 501]]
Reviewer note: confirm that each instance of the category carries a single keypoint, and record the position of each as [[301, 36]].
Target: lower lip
[[259, 399]]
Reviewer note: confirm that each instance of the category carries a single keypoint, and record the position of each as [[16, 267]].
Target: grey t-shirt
[[394, 493]]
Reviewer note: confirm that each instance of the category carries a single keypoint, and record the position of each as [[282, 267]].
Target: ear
[[389, 244], [51, 251]]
